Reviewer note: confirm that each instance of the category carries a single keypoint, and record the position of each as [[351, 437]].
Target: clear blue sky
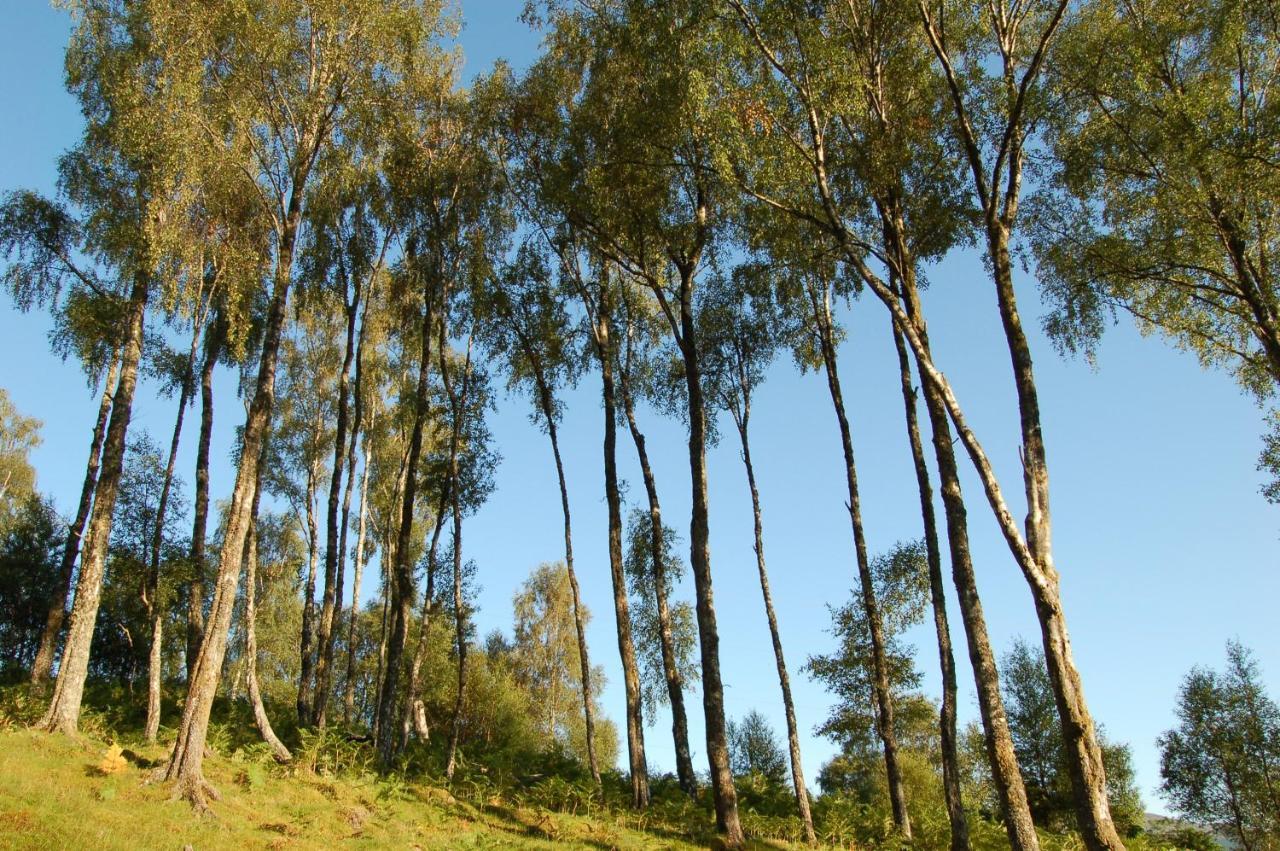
[[1165, 547]]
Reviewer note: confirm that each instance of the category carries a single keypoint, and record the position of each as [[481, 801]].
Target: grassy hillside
[[94, 793], [59, 793]]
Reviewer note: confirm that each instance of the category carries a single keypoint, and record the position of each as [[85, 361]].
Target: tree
[[444, 183], [820, 324], [179, 372], [42, 667], [344, 254], [901, 584], [302, 441], [621, 83], [1160, 203], [754, 748], [467, 389], [291, 75], [1037, 739], [985, 85], [260, 718], [30, 551], [656, 638], [663, 629], [1220, 766], [545, 661], [145, 569], [529, 331], [742, 332], [18, 436]]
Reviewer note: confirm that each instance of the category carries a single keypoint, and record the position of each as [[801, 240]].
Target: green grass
[[53, 794]]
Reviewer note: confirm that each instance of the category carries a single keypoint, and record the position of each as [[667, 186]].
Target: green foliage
[[754, 749], [646, 624], [332, 752], [901, 583], [1218, 766], [1162, 199], [122, 634], [18, 436], [30, 556], [545, 662], [1037, 742]]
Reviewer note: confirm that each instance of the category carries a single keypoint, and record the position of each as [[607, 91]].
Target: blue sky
[[1165, 547]]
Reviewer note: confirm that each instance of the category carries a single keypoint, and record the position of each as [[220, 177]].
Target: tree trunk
[[260, 718], [723, 792], [657, 552], [200, 507], [306, 670], [880, 675], [63, 714], [155, 661], [457, 404], [384, 563], [1083, 754], [401, 579], [185, 768], [413, 717], [743, 420], [547, 405], [334, 551], [349, 690], [671, 671], [150, 597], [1005, 773], [938, 597], [626, 646], [42, 667]]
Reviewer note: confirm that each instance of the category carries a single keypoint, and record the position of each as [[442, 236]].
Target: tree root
[[197, 791]]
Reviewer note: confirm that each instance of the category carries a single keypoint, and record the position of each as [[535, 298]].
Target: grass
[[58, 792], [93, 792]]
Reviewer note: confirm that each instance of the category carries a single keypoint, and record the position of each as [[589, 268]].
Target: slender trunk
[[260, 718], [1083, 754], [584, 660], [151, 594], [200, 506], [457, 405], [42, 667], [321, 713], [334, 549], [349, 691], [880, 674], [401, 581], [387, 560], [186, 766], [723, 792], [63, 714], [460, 632], [306, 670], [938, 597], [657, 550], [547, 405], [742, 418], [414, 714], [626, 645], [998, 741]]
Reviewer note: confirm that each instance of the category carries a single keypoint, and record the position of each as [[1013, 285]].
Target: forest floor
[[57, 792]]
